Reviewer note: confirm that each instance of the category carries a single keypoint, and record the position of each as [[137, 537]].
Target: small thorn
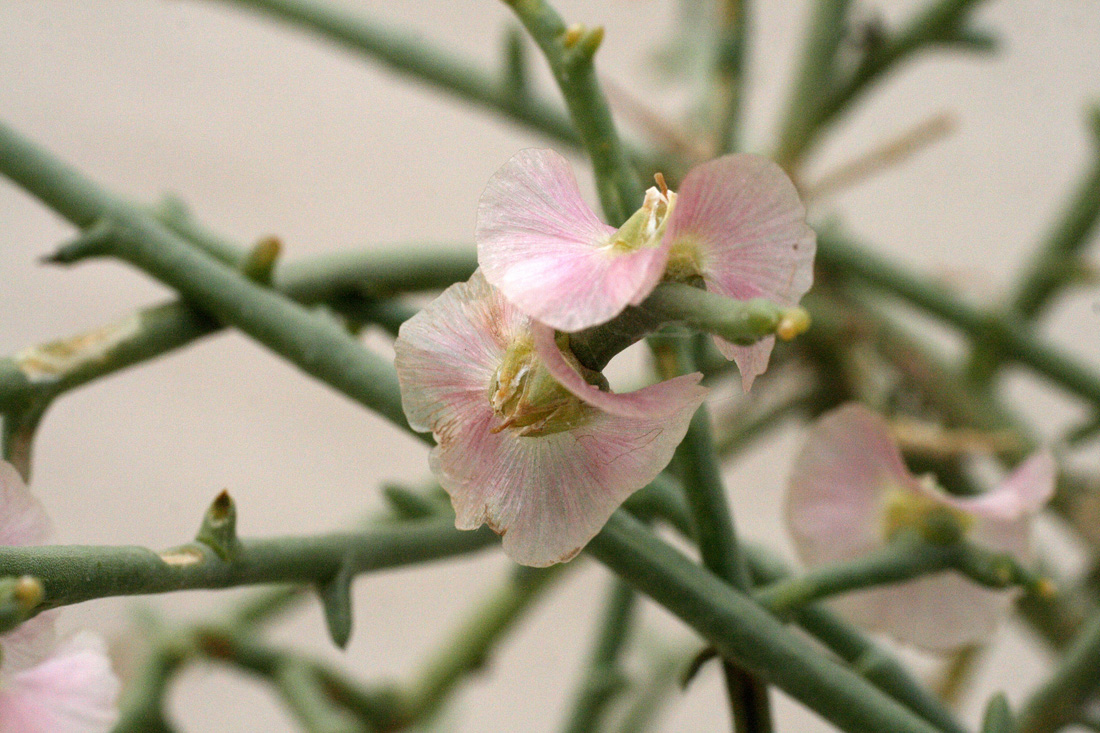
[[335, 595], [219, 527], [259, 263], [572, 34]]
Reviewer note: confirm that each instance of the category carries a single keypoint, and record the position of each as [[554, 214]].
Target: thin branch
[[569, 52]]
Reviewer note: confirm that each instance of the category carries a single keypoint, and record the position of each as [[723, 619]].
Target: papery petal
[[72, 691], [745, 217], [549, 495], [670, 397], [23, 521], [545, 249], [940, 612], [839, 483], [448, 352]]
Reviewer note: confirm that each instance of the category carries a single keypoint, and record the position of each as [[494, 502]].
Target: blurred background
[[263, 129]]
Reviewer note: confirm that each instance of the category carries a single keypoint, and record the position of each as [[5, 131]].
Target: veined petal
[[72, 691], [742, 217], [670, 397], [546, 250], [27, 644], [547, 493], [547, 496], [447, 353], [839, 485], [23, 521]]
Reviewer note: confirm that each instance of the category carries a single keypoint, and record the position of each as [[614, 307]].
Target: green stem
[[407, 53], [75, 573], [848, 260], [603, 678], [814, 78], [141, 709], [743, 631], [853, 646], [1075, 681], [303, 693], [330, 687], [701, 473], [569, 53], [940, 23], [1062, 246], [729, 74], [470, 645]]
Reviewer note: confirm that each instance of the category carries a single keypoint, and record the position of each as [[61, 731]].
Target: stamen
[[660, 178]]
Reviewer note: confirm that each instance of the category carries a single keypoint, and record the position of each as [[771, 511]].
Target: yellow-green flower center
[[528, 400], [905, 510], [646, 226]]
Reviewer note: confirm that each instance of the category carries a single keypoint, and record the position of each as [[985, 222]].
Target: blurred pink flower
[[525, 443], [850, 493], [46, 687], [737, 226]]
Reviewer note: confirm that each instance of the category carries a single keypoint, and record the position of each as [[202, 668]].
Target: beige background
[[264, 131]]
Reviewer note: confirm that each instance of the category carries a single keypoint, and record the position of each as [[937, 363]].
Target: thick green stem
[[569, 51], [743, 631], [879, 666], [701, 473], [603, 678], [73, 573]]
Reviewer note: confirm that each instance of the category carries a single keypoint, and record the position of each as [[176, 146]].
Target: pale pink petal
[[839, 484], [545, 249], [72, 691], [1003, 516], [549, 495], [448, 352], [743, 214], [27, 644], [669, 397], [752, 361], [1022, 494], [940, 612], [23, 521]]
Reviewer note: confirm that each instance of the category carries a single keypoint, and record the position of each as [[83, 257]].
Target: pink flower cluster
[[46, 686], [850, 494], [531, 442]]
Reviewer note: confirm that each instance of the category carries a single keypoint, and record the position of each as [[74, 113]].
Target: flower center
[[646, 226], [907, 510], [685, 261], [528, 400]]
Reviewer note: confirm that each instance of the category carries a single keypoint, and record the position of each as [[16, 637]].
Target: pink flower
[[526, 444], [737, 227], [850, 493], [47, 687]]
